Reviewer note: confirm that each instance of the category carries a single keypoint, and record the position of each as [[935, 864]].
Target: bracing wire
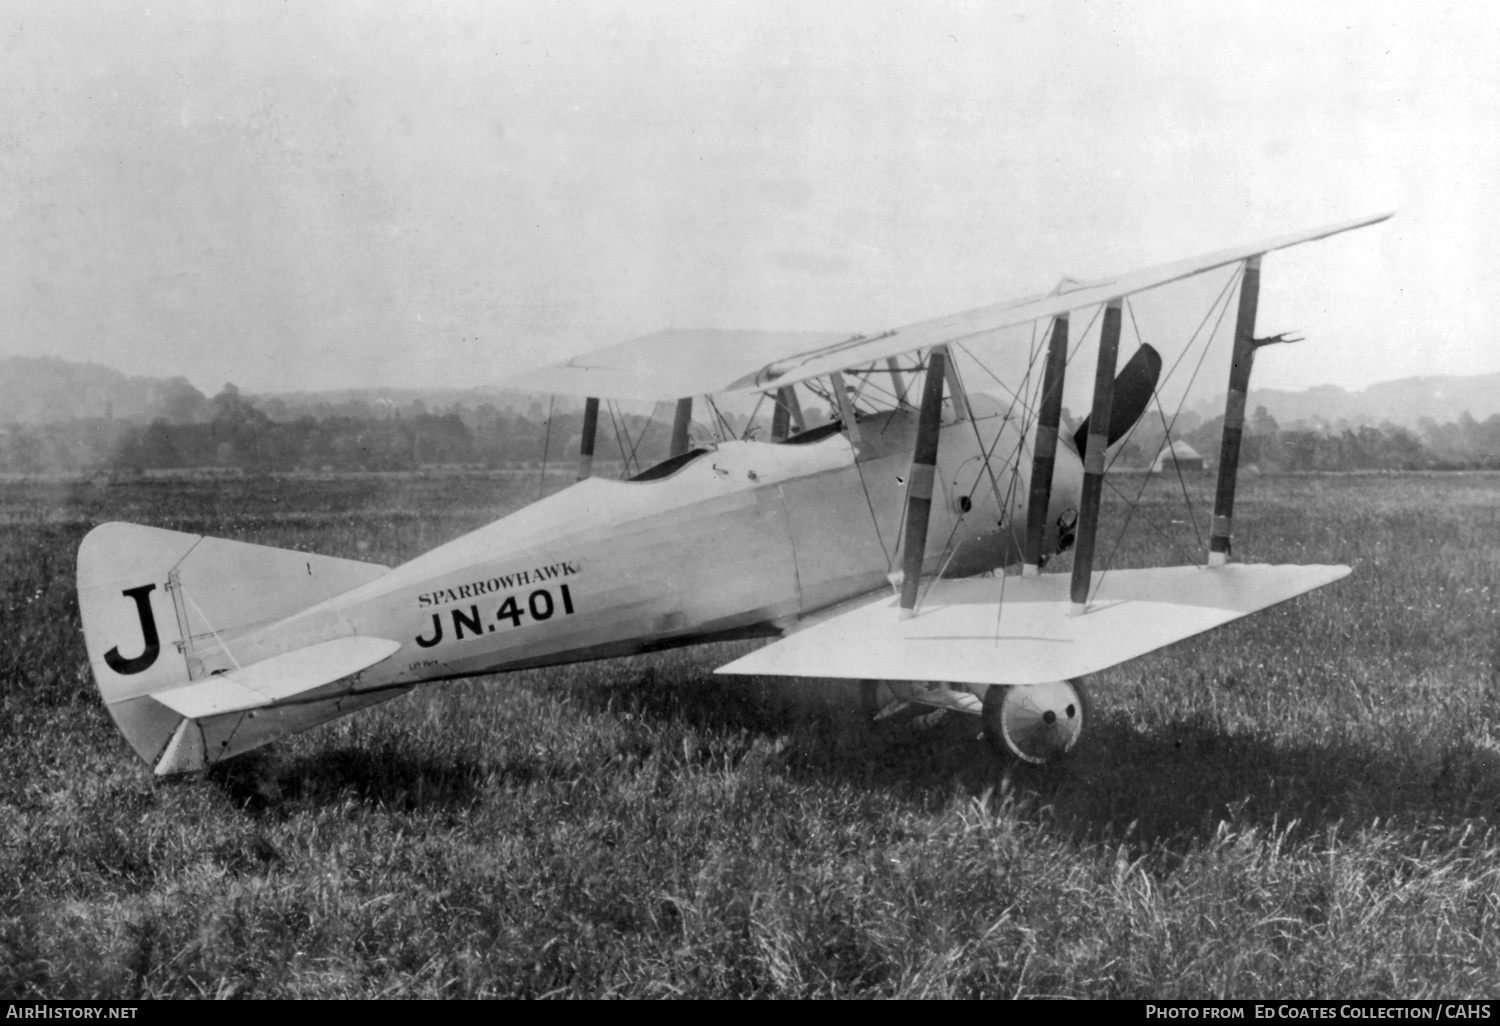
[[641, 438], [1167, 426], [624, 424], [1166, 430], [724, 429], [874, 520], [1030, 412], [1098, 309], [750, 421], [546, 443], [619, 441], [1192, 339], [1003, 502], [867, 383], [207, 623], [1133, 504], [1028, 403], [622, 435]]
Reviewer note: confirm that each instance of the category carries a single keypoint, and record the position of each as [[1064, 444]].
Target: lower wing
[[1021, 630]]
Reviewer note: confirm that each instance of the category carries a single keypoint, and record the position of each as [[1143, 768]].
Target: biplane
[[904, 547]]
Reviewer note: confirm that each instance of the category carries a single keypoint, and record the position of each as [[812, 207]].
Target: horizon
[[318, 198], [1204, 403]]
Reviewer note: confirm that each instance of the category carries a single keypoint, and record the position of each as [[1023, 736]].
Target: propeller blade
[[1134, 386]]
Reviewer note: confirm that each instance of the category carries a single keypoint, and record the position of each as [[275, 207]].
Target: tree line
[[240, 435], [1463, 444]]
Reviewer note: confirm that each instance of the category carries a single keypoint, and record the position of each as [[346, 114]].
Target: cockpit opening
[[669, 466], [816, 434]]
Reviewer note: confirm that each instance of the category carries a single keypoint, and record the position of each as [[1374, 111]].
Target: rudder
[[154, 602]]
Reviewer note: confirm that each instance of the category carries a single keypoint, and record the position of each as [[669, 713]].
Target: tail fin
[[154, 602]]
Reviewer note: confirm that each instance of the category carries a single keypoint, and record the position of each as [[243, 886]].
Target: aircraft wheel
[[1038, 723]]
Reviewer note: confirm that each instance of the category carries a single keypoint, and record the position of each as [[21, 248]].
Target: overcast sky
[[329, 195]]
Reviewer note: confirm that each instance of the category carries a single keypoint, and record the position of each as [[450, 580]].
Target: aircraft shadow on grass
[[1172, 787], [264, 781]]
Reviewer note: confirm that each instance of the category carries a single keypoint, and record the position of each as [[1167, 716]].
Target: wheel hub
[[1037, 723]]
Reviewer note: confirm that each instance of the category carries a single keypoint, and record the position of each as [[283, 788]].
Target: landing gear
[[1038, 723], [889, 701], [874, 695]]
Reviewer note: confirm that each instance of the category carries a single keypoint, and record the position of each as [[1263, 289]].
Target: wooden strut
[[586, 445], [680, 425], [781, 417], [794, 406], [846, 409], [1044, 454], [919, 483], [1234, 414], [898, 383], [956, 391], [1093, 460]]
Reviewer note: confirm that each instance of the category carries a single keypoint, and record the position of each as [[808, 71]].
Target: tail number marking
[[138, 664], [540, 605]]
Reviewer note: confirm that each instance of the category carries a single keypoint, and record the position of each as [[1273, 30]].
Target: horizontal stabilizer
[[1019, 630], [276, 679]]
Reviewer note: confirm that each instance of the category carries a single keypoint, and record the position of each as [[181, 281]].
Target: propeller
[[1134, 386]]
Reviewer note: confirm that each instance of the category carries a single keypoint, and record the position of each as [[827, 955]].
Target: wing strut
[[786, 414], [919, 482], [846, 411], [1044, 455], [680, 425], [956, 391], [1234, 413], [898, 384], [794, 407], [586, 446], [1093, 460], [781, 417]]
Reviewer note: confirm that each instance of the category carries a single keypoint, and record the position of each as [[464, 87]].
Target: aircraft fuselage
[[744, 539], [741, 541]]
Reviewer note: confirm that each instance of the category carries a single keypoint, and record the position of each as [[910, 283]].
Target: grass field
[[1306, 803]]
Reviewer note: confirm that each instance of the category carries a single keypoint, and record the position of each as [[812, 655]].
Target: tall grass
[[1306, 803]]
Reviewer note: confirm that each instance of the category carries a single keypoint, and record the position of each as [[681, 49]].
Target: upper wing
[[987, 319], [670, 365], [1018, 630], [674, 364]]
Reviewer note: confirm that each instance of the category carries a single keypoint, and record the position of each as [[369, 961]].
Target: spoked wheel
[[1038, 723]]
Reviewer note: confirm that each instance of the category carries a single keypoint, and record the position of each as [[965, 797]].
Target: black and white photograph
[[751, 499]]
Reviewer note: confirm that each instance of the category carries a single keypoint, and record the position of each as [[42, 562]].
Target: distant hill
[[47, 389], [36, 390], [1402, 402]]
